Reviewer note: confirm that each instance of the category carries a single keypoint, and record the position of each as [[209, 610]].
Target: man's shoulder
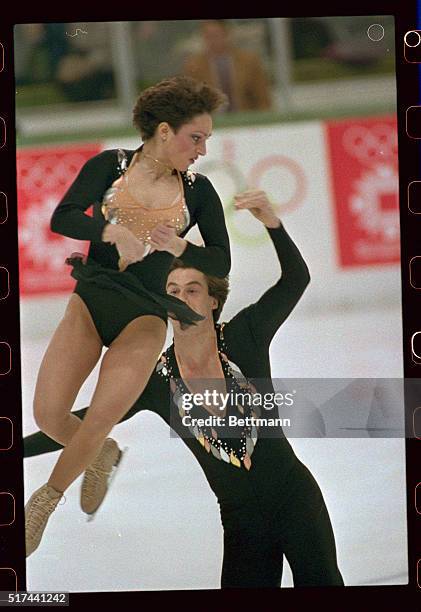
[[238, 325]]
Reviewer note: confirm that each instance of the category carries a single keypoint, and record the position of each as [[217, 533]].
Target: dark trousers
[[300, 529]]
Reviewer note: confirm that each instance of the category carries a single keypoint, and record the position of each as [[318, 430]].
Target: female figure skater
[[144, 201], [270, 503]]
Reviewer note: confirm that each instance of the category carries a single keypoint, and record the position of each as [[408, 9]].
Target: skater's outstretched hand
[[257, 203]]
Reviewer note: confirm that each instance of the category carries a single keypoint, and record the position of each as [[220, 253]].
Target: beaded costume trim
[[207, 436], [119, 207]]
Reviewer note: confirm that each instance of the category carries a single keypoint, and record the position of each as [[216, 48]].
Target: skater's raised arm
[[264, 317]]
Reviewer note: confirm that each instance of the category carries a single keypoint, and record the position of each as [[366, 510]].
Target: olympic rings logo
[[271, 174]]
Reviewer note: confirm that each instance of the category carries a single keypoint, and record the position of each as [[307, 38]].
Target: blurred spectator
[[239, 73], [85, 72], [75, 57], [310, 36], [159, 49], [39, 48], [355, 52]]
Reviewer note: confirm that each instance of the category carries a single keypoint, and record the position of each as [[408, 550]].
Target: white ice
[[159, 527]]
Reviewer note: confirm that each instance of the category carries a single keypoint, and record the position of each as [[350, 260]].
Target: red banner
[[43, 177], [363, 160]]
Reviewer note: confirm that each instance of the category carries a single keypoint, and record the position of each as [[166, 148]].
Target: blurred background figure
[[85, 72], [71, 61], [239, 73], [38, 51]]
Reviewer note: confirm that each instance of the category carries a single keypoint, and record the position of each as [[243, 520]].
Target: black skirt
[[129, 286]]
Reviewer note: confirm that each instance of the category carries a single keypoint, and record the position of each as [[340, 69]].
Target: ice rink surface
[[159, 528]]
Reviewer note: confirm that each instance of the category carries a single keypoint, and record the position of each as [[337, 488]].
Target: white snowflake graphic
[[35, 237], [366, 202]]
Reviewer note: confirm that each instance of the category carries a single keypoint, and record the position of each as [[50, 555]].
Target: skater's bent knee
[[42, 417], [97, 426], [48, 420]]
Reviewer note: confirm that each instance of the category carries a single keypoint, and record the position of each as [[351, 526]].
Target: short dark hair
[[176, 101], [217, 287]]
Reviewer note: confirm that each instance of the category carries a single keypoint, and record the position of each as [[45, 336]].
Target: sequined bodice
[[120, 207]]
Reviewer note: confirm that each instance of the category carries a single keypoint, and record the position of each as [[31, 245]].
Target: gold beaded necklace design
[[169, 170], [207, 436]]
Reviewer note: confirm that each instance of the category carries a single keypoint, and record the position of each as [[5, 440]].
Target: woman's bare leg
[[70, 357], [125, 369], [73, 352]]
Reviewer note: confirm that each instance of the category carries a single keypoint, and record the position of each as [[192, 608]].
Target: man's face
[[190, 286]]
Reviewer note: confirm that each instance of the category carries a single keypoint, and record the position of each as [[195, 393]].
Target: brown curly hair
[[176, 101], [217, 287]]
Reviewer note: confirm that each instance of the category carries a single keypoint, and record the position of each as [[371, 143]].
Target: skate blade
[[116, 467]]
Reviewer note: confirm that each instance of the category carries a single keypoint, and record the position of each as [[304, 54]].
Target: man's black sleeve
[[264, 317]]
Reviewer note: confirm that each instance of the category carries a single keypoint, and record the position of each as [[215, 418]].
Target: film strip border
[[12, 547], [12, 552], [409, 123]]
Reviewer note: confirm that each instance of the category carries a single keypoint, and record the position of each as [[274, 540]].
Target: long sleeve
[[266, 315], [154, 397], [70, 218], [214, 258], [39, 443]]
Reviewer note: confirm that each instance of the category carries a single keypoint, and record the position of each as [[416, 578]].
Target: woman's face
[[182, 148]]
